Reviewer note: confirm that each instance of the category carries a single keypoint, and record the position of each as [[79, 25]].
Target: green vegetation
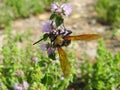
[[24, 62], [108, 11], [104, 74], [21, 61], [23, 8], [12, 9]]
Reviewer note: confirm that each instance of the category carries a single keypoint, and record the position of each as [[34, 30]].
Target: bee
[[60, 38]]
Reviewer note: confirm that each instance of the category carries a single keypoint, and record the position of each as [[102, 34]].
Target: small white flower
[[62, 78]]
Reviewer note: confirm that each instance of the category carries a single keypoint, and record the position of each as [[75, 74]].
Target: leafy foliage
[[12, 9], [104, 74], [58, 19], [108, 11], [24, 7]]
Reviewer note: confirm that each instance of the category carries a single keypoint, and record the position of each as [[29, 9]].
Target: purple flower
[[25, 85], [59, 10], [18, 87], [43, 47], [51, 50], [46, 26], [22, 86], [54, 6], [63, 9], [67, 9]]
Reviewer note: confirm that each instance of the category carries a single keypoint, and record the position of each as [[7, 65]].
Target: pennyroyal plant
[[54, 28], [59, 36]]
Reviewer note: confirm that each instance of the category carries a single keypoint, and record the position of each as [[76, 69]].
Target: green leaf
[[53, 16], [52, 56], [47, 79], [58, 20]]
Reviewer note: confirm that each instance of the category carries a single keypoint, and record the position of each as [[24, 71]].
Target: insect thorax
[[58, 38]]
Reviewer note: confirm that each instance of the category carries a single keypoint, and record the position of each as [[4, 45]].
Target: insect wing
[[65, 64], [86, 37]]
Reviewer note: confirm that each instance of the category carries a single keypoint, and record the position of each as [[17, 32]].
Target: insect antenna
[[38, 41]]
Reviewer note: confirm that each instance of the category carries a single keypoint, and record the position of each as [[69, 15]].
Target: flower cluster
[[64, 9], [23, 86]]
